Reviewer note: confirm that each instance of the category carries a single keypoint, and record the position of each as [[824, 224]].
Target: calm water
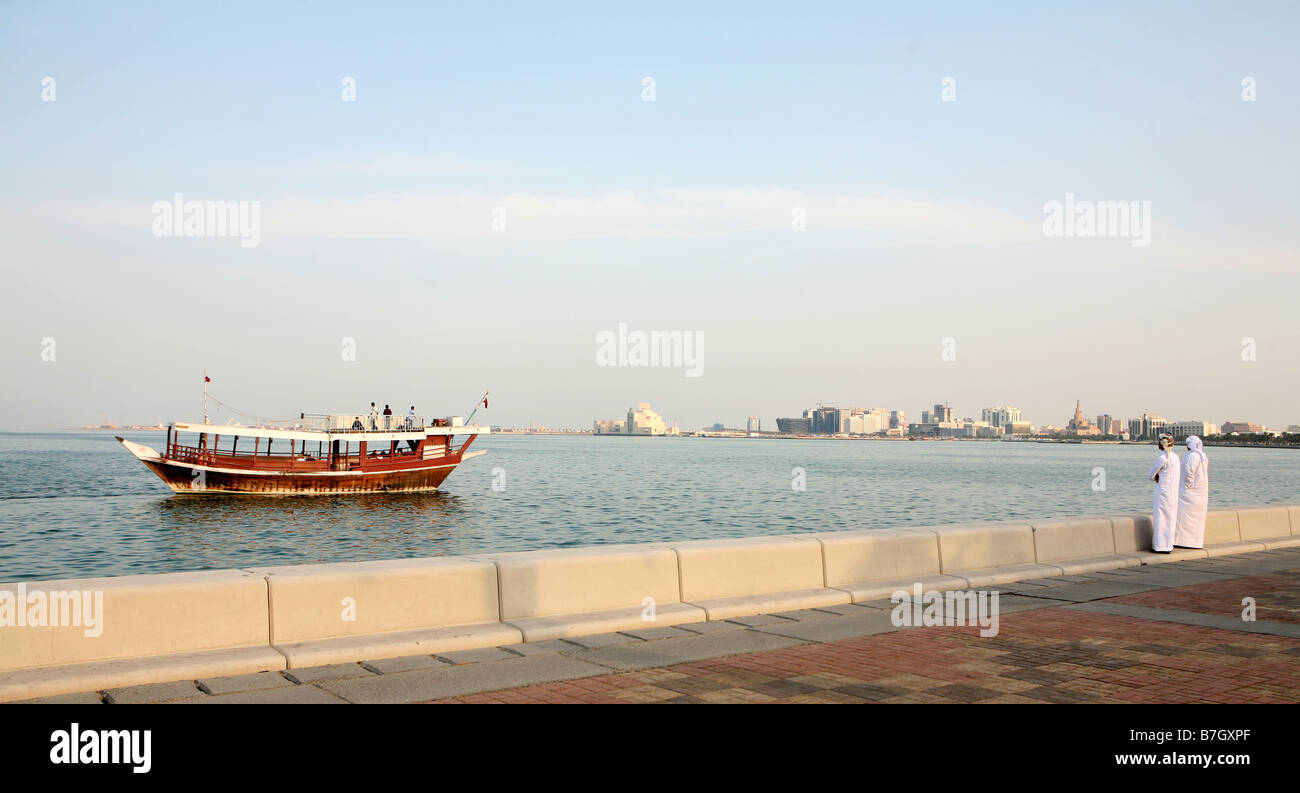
[[78, 504]]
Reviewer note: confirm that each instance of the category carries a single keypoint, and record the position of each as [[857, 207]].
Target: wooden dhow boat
[[320, 454]]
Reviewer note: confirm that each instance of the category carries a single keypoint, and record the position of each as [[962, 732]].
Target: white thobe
[[1193, 500], [1164, 511]]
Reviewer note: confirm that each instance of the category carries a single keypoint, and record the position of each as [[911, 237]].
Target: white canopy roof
[[337, 435]]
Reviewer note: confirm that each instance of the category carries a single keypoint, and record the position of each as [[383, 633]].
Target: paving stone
[[600, 640], [237, 683], [153, 692], [405, 663], [872, 692], [1224, 622], [964, 693], [1097, 590], [1010, 603], [692, 648], [804, 614], [846, 610], [310, 674], [294, 695], [82, 698], [1062, 696], [835, 629], [546, 647], [651, 634], [755, 620], [720, 626], [454, 681], [1175, 578], [881, 604], [781, 688], [475, 656]]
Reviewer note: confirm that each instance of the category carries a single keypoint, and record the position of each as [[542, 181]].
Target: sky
[[844, 202]]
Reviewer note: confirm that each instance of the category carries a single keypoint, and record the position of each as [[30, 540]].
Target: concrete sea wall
[[75, 635]]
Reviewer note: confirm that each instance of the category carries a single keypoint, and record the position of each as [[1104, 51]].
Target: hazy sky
[[500, 191]]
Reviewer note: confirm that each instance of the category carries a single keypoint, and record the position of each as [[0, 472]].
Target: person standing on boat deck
[[388, 417], [410, 418], [374, 416], [1164, 512], [1193, 496]]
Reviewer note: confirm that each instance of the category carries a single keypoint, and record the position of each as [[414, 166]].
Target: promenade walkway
[[1158, 633]]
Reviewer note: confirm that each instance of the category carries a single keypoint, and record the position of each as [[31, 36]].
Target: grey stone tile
[[451, 681], [835, 629], [405, 663], [803, 615], [1223, 622], [237, 683], [294, 695], [153, 692], [547, 647], [82, 698], [310, 674], [1050, 581], [1165, 579], [651, 634], [715, 626], [847, 610], [1009, 603], [691, 648], [600, 640], [475, 656], [880, 604], [1098, 590], [755, 620]]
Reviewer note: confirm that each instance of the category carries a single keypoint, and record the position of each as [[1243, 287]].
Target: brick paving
[[1277, 597], [1042, 656]]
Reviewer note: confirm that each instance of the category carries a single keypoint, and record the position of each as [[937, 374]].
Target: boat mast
[[205, 396]]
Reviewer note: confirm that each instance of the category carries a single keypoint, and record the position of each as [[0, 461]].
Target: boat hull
[[199, 479]]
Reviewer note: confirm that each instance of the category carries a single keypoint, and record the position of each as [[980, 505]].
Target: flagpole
[[475, 410], [205, 396]]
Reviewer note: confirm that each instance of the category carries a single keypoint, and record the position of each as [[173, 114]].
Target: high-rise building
[[898, 419], [826, 421], [942, 412], [754, 424], [1001, 416]]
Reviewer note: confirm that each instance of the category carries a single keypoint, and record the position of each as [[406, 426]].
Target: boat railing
[[352, 422]]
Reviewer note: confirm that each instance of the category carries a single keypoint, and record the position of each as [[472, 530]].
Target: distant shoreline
[[740, 435]]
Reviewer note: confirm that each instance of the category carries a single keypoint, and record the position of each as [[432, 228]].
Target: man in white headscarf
[[1164, 512], [1193, 496]]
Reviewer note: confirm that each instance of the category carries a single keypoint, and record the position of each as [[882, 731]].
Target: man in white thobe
[[1164, 512], [1193, 496]]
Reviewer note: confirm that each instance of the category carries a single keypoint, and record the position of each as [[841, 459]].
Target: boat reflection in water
[[218, 530]]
